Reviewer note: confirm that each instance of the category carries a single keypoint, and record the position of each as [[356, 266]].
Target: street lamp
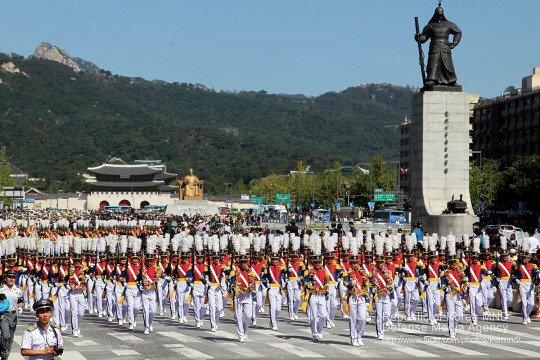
[[226, 184]]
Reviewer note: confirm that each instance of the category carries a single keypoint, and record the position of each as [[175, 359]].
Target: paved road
[[171, 340]]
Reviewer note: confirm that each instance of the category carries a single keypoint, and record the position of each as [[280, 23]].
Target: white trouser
[[29, 290], [411, 297], [274, 299], [63, 305], [398, 296], [454, 308], [110, 298], [342, 291], [317, 309], [133, 298], [259, 303], [505, 289], [162, 287], [178, 301], [55, 310], [383, 307], [148, 297], [294, 291], [487, 293], [121, 309], [43, 291], [331, 303], [78, 304], [215, 303], [433, 298], [526, 293], [243, 308], [198, 295], [225, 289], [475, 301], [423, 300], [100, 287], [357, 313], [91, 296]]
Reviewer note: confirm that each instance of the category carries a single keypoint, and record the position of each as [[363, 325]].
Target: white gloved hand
[[19, 310]]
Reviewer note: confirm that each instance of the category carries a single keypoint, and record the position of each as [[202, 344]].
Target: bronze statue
[[440, 68], [191, 188]]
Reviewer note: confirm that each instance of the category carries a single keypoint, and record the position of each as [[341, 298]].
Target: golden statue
[[191, 188]]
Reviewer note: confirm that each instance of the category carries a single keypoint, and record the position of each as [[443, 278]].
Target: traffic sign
[[390, 197], [299, 207], [371, 205], [283, 198], [338, 204], [313, 205], [257, 200], [351, 204], [378, 190]]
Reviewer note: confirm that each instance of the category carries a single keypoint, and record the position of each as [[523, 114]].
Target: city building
[[509, 126]]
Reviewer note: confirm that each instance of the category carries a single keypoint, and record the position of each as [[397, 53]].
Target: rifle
[[123, 297], [105, 273], [193, 263], [420, 52]]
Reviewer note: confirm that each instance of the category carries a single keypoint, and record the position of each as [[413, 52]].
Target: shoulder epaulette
[[31, 328]]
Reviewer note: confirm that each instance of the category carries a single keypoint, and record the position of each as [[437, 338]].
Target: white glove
[[24, 269], [68, 287], [353, 282], [518, 281], [168, 278], [19, 310], [490, 272]]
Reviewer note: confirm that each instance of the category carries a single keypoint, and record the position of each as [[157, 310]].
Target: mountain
[[55, 122], [53, 53]]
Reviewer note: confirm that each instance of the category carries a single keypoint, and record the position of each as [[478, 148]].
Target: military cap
[[43, 304], [11, 273]]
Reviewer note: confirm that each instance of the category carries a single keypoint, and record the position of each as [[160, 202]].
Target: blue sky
[[282, 46]]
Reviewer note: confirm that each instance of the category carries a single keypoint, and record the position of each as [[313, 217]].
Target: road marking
[[243, 351], [296, 350], [223, 334], [127, 337], [269, 332], [187, 352], [409, 350], [72, 355], [493, 342], [516, 333], [358, 352], [84, 343], [179, 337], [453, 348], [529, 342], [127, 352]]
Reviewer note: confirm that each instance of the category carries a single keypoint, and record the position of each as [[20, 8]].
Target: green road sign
[[256, 200], [390, 197], [283, 198], [378, 190]]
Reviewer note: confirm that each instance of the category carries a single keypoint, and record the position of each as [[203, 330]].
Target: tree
[[522, 183], [5, 176], [485, 182]]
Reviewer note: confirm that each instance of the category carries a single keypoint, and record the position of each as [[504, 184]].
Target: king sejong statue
[[191, 188], [440, 68]]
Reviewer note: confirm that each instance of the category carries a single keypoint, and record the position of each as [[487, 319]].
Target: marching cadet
[[76, 287], [368, 265], [118, 281], [31, 276], [43, 340], [258, 266], [198, 277], [44, 271], [344, 261], [8, 321], [398, 281], [243, 290], [130, 275], [295, 274], [316, 282], [100, 277], [524, 274], [224, 260], [214, 293], [110, 271], [432, 289], [454, 285], [334, 272], [410, 271], [475, 272], [487, 285], [503, 274], [163, 264], [357, 284], [382, 282], [90, 276], [273, 278], [148, 280], [180, 290], [62, 282]]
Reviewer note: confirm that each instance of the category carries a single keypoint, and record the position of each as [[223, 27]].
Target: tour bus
[[389, 216], [117, 209], [321, 215]]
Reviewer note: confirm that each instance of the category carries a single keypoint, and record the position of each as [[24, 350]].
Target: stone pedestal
[[440, 160], [191, 207]]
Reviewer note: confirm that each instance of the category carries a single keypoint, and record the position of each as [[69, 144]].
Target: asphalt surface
[[493, 338]]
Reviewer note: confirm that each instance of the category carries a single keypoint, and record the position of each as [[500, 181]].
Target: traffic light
[[354, 196], [369, 197], [337, 196]]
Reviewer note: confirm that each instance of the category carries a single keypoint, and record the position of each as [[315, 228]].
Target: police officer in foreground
[[8, 322], [43, 340]]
